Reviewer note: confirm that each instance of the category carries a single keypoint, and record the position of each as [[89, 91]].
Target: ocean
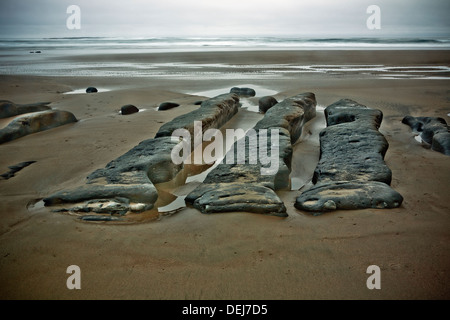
[[174, 44], [47, 56]]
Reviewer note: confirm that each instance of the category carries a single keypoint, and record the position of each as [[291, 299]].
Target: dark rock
[[100, 218], [35, 122], [15, 168], [245, 186], [348, 195], [441, 143], [228, 197], [243, 92], [265, 103], [91, 90], [351, 146], [351, 173], [11, 109], [129, 180], [213, 113], [167, 106], [127, 176], [128, 109], [413, 123], [434, 131], [197, 103]]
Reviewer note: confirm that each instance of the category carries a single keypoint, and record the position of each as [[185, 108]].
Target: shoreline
[[227, 64]]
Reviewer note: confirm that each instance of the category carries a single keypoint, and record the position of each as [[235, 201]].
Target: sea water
[[57, 57]]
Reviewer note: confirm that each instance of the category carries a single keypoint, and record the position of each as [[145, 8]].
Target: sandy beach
[[190, 255]]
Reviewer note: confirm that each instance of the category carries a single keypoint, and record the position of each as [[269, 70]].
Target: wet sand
[[189, 255]]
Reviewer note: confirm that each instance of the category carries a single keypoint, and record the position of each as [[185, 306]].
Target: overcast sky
[[293, 18]]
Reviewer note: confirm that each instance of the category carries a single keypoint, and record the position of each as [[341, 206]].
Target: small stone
[[91, 90], [128, 109], [167, 106], [265, 103], [243, 92]]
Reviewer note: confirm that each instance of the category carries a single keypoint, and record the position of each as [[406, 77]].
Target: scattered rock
[[91, 90], [11, 109], [351, 173], [265, 103], [35, 122], [167, 106], [16, 168], [128, 109], [243, 92], [433, 130]]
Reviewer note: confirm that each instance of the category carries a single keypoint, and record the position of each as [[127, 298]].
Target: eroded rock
[[35, 122], [213, 113], [131, 177], [351, 169], [265, 103], [243, 92], [250, 185], [433, 130], [15, 168], [11, 109], [348, 195]]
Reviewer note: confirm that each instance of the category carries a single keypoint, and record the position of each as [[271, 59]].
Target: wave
[[213, 42]]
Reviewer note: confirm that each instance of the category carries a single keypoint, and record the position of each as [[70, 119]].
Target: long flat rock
[[250, 185], [351, 173], [35, 122], [11, 109], [128, 181]]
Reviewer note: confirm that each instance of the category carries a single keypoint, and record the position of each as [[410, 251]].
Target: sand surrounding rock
[[190, 255]]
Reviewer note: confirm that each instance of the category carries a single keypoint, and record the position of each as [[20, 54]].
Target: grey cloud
[[201, 17]]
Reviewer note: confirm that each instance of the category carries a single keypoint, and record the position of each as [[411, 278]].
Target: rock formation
[[433, 130], [35, 122], [351, 173], [11, 109], [265, 103], [127, 183], [15, 168], [246, 186]]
